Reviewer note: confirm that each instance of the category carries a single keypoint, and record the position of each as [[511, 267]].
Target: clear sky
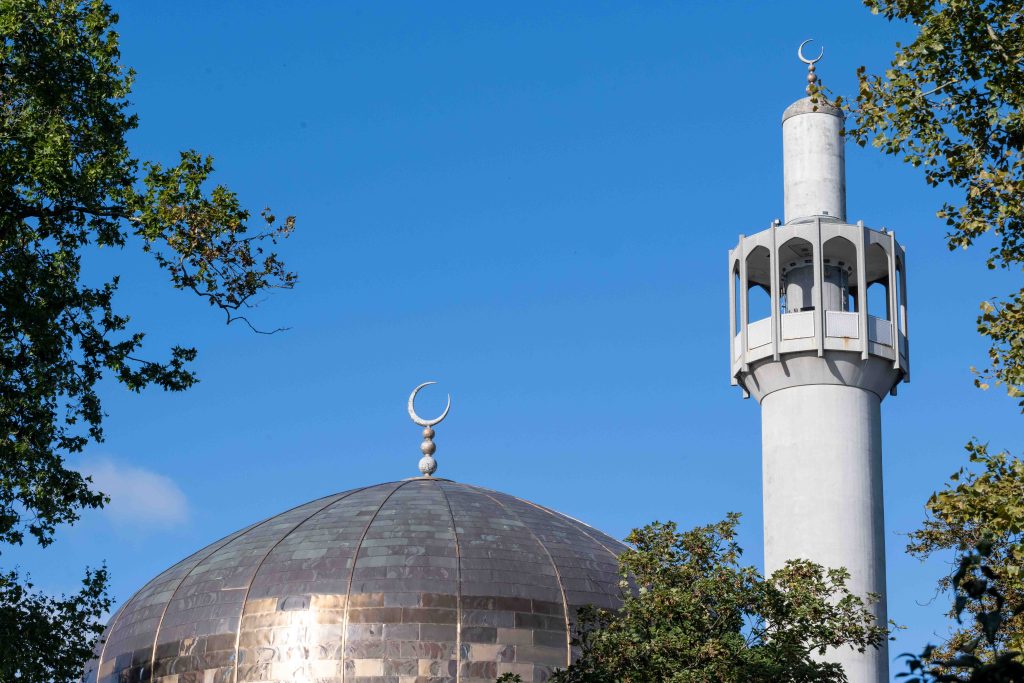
[[530, 203]]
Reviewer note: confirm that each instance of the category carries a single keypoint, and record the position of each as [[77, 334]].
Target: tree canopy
[[950, 103], [692, 613], [983, 658], [69, 184], [983, 504]]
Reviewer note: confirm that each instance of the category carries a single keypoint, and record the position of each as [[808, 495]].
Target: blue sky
[[532, 204]]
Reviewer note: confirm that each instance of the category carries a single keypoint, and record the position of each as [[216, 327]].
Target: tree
[[697, 615], [68, 185], [977, 590], [951, 104], [983, 508]]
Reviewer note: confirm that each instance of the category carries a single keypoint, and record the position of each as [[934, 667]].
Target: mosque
[[430, 580]]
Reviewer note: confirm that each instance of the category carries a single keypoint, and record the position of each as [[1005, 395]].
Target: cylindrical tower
[[819, 338], [814, 165]]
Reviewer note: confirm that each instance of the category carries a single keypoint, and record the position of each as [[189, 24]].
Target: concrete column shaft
[[814, 164], [822, 460]]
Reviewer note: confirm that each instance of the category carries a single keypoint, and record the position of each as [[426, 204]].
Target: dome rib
[[558, 574], [458, 588], [248, 589], [216, 546], [120, 613], [580, 526], [352, 571], [577, 524], [227, 541]]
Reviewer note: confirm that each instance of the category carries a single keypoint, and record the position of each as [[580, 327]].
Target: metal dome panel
[[424, 580]]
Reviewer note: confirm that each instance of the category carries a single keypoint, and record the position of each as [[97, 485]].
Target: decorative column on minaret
[[819, 337]]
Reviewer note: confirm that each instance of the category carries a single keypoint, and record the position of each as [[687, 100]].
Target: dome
[[423, 580]]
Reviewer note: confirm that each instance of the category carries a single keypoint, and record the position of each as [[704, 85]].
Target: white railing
[[842, 324], [880, 330], [798, 325], [759, 333]]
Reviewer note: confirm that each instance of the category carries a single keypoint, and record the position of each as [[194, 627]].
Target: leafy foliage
[[697, 616], [978, 591], [68, 185], [983, 506], [951, 104], [57, 630]]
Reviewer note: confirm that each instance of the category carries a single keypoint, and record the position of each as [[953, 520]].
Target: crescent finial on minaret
[[812, 78], [427, 463]]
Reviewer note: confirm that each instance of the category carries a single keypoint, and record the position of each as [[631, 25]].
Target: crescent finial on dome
[[427, 463]]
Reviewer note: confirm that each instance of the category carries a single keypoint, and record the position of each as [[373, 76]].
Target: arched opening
[[839, 261], [796, 268], [877, 269], [736, 292], [759, 288], [901, 297], [880, 313], [878, 300], [759, 302], [838, 273], [759, 297]]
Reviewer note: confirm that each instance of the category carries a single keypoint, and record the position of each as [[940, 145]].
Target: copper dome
[[423, 580]]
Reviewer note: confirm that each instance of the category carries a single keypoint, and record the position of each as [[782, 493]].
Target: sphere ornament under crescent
[[419, 420]]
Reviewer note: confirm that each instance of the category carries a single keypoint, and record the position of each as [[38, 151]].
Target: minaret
[[826, 345]]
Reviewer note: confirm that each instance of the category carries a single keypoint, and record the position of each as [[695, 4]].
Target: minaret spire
[[814, 161]]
